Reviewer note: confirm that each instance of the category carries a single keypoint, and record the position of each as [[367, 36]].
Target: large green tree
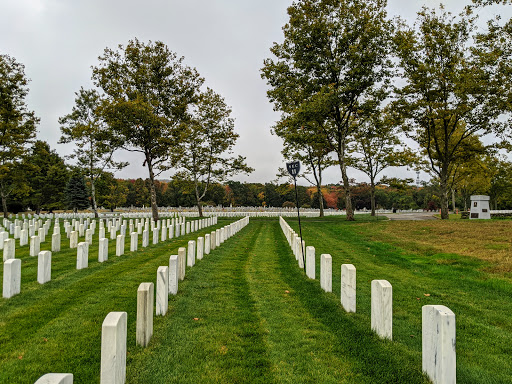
[[94, 142], [148, 95], [335, 59], [449, 96], [46, 175], [208, 140], [17, 125]]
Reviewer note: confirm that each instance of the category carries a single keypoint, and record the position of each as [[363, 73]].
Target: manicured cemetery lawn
[[56, 327], [464, 265], [247, 313]]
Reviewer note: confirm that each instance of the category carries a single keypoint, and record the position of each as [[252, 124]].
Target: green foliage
[[17, 125], [206, 140], [148, 94], [335, 61], [450, 96], [377, 146], [76, 192], [94, 142], [46, 175]]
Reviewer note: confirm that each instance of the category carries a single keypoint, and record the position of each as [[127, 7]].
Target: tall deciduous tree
[[94, 142], [17, 124], [377, 146], [448, 96], [149, 92], [335, 58], [204, 150]]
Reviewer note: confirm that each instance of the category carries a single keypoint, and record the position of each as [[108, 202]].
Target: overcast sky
[[225, 40]]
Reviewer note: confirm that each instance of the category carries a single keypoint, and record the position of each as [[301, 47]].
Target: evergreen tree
[[76, 193]]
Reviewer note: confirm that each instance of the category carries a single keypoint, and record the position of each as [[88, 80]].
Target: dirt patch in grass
[[486, 240]]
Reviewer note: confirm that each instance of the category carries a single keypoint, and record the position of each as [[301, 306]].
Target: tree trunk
[[4, 205], [320, 199], [453, 200], [348, 194], [154, 207], [93, 197], [198, 202], [444, 197], [372, 195]]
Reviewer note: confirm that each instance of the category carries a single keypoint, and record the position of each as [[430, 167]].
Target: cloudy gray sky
[[226, 40]]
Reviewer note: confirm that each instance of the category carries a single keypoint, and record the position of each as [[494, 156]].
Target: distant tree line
[[46, 182]]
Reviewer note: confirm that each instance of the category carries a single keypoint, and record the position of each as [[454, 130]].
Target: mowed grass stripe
[[481, 302], [212, 333], [250, 329], [57, 327]]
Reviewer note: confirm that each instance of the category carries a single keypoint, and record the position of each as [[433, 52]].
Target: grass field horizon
[[247, 313]]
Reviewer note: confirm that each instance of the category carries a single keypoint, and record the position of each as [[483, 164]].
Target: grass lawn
[[465, 265], [247, 313]]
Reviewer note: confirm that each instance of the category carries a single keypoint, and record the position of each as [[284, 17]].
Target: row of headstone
[[12, 266], [438, 321], [114, 327]]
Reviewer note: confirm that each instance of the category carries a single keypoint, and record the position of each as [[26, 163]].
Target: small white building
[[480, 207]]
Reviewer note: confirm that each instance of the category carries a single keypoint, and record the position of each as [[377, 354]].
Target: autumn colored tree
[[17, 126], [148, 96]]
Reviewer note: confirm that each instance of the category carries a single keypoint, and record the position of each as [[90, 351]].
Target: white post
[[200, 248], [120, 245], [73, 239], [191, 253], [162, 290], [113, 348], [56, 242], [326, 272], [9, 248], [310, 262], [145, 238], [35, 245], [134, 241], [173, 274], [88, 235], [103, 250], [145, 298], [12, 278], [55, 378], [207, 243], [438, 344], [44, 267], [182, 261], [155, 236], [82, 256], [382, 308], [213, 238], [348, 287]]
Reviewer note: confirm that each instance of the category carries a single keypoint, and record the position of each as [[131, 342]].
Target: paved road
[[411, 216]]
